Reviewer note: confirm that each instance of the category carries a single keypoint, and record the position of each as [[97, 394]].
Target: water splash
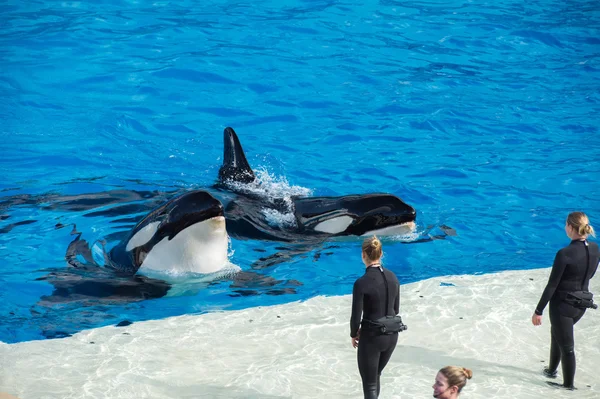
[[419, 234], [269, 186], [280, 219], [413, 236], [278, 192]]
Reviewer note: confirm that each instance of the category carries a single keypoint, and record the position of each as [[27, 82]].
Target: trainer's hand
[[355, 341], [536, 320]]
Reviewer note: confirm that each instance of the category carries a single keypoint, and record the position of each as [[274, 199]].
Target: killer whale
[[186, 234], [182, 243], [315, 217]]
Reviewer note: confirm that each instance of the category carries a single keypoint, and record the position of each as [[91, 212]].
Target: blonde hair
[[457, 376], [371, 248], [580, 223]]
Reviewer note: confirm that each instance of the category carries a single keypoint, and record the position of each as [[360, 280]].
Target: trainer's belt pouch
[[388, 324], [581, 299]]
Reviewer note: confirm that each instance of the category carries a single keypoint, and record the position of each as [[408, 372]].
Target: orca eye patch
[[142, 236]]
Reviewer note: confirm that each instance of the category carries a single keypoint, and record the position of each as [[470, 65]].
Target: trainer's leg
[[388, 345], [562, 328], [368, 361], [568, 349], [554, 353]]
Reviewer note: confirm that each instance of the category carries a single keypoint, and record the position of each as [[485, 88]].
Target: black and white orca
[[181, 244], [186, 234], [348, 215]]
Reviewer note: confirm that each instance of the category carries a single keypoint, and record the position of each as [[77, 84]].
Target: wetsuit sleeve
[[397, 302], [357, 308], [558, 269]]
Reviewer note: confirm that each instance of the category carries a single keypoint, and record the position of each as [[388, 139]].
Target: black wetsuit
[[374, 350], [571, 271]]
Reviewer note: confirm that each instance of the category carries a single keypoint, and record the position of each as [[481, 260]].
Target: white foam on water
[[278, 219], [415, 234], [278, 191], [303, 350], [270, 186]]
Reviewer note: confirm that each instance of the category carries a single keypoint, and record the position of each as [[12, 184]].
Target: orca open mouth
[[381, 224], [394, 230]]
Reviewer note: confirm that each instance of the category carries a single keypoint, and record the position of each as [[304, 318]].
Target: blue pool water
[[484, 117]]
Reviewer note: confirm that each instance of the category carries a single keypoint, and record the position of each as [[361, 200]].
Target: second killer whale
[[315, 218]]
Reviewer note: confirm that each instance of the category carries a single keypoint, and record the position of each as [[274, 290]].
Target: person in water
[[449, 381], [574, 266], [375, 295]]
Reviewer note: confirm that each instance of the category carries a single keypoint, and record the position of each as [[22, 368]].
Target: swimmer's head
[[579, 224], [371, 250], [450, 380]]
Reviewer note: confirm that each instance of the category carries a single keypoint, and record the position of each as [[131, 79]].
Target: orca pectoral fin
[[449, 231], [78, 252]]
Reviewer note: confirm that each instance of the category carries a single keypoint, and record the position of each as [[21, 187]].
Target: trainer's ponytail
[[581, 224], [589, 230], [468, 373], [371, 247]]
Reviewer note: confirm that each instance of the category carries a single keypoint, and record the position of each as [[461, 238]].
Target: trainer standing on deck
[[375, 295], [568, 293]]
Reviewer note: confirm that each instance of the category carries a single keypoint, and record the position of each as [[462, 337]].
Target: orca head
[[381, 214], [357, 215], [235, 167], [185, 235]]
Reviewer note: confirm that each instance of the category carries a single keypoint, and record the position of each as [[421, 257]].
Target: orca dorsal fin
[[235, 166]]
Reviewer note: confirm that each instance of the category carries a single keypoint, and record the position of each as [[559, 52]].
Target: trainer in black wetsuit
[[572, 270], [368, 299]]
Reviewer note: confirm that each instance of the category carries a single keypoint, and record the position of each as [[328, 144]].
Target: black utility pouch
[[581, 299], [389, 325]]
